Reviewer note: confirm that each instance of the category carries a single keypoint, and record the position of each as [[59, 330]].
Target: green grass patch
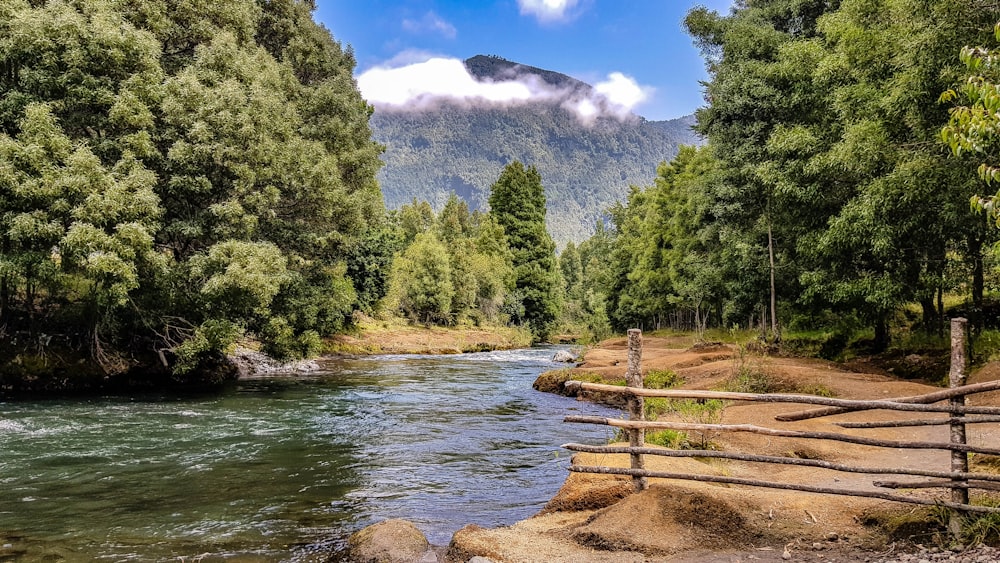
[[673, 439], [751, 375], [662, 379], [982, 528]]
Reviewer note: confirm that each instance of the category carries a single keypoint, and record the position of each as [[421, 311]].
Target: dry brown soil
[[397, 337], [597, 518]]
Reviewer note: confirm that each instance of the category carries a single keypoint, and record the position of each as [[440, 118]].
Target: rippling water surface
[[283, 469]]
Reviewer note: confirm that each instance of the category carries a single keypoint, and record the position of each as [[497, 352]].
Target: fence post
[[636, 404], [959, 460]]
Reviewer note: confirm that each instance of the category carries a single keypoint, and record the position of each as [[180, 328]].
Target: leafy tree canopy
[[175, 176]]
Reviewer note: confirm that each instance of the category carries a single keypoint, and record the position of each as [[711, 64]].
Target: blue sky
[[635, 51]]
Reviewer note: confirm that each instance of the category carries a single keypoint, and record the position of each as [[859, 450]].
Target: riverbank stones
[[564, 356], [389, 541]]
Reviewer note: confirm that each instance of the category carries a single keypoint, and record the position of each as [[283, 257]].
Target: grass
[[982, 528], [986, 347], [929, 525], [751, 375], [673, 439], [661, 379]]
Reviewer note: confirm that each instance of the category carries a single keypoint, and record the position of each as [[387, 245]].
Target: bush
[[662, 379]]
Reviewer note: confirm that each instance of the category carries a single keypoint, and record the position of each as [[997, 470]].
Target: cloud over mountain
[[420, 84]]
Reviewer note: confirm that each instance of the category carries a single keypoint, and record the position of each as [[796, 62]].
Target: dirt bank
[[396, 337], [597, 518]]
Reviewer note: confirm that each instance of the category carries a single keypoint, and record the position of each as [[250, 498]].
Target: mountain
[[586, 164]]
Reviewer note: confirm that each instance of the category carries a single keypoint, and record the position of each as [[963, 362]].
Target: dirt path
[[596, 518]]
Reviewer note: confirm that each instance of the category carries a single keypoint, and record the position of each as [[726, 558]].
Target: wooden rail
[[957, 479]]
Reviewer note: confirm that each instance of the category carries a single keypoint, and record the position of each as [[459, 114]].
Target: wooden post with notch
[[959, 460], [636, 405]]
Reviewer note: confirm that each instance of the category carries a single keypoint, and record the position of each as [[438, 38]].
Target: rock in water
[[389, 541], [564, 356]]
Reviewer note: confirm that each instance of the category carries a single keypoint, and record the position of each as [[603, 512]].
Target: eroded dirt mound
[[668, 519], [587, 491]]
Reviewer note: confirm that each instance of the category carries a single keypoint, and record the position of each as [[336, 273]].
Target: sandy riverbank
[[597, 518], [397, 337]]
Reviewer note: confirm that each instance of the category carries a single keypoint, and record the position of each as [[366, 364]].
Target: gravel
[[978, 554]]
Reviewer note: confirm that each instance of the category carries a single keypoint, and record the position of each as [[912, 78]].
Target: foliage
[[700, 412], [471, 248], [672, 439], [661, 379], [517, 203], [823, 188], [174, 179], [425, 270], [974, 127]]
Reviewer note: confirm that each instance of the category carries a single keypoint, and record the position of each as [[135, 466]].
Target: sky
[[635, 52]]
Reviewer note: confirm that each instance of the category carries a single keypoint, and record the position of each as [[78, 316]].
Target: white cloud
[[430, 22], [623, 91], [547, 11], [415, 80]]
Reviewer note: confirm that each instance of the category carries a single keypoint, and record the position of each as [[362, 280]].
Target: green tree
[[177, 175], [824, 117], [424, 273], [517, 202], [974, 127]]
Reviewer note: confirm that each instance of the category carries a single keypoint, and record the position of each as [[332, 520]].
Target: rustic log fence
[[958, 479]]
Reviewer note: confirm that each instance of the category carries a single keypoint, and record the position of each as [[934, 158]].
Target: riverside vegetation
[[176, 182]]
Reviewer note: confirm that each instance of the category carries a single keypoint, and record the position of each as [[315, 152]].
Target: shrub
[[662, 379]]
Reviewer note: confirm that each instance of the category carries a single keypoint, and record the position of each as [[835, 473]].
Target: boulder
[[389, 541], [564, 356]]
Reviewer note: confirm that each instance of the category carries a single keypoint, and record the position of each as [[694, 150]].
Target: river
[[285, 468]]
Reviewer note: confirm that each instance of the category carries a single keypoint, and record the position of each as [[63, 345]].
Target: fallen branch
[[660, 425], [919, 422], [781, 460], [970, 484], [841, 405], [784, 486], [916, 399]]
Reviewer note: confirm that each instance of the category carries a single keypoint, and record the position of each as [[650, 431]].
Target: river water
[[284, 469]]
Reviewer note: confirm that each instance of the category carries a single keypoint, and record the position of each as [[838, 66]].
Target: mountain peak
[[494, 68]]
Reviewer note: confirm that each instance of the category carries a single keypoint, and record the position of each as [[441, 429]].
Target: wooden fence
[[957, 478]]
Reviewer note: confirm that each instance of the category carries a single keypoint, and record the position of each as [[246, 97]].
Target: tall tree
[[176, 175], [517, 202]]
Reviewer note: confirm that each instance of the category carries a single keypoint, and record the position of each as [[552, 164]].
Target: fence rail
[[958, 479]]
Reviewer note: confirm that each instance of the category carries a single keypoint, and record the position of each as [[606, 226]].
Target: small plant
[[750, 376], [590, 377], [662, 379], [655, 406], [701, 412], [673, 439], [986, 346], [982, 528]]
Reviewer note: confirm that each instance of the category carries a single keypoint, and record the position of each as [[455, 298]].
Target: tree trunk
[[4, 299], [930, 317], [976, 314], [882, 336], [774, 299], [940, 302]]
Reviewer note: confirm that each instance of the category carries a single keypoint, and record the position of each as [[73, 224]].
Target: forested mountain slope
[[461, 148]]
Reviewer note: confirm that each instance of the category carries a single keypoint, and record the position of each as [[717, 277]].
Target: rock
[[564, 356], [251, 363], [389, 541], [480, 559]]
